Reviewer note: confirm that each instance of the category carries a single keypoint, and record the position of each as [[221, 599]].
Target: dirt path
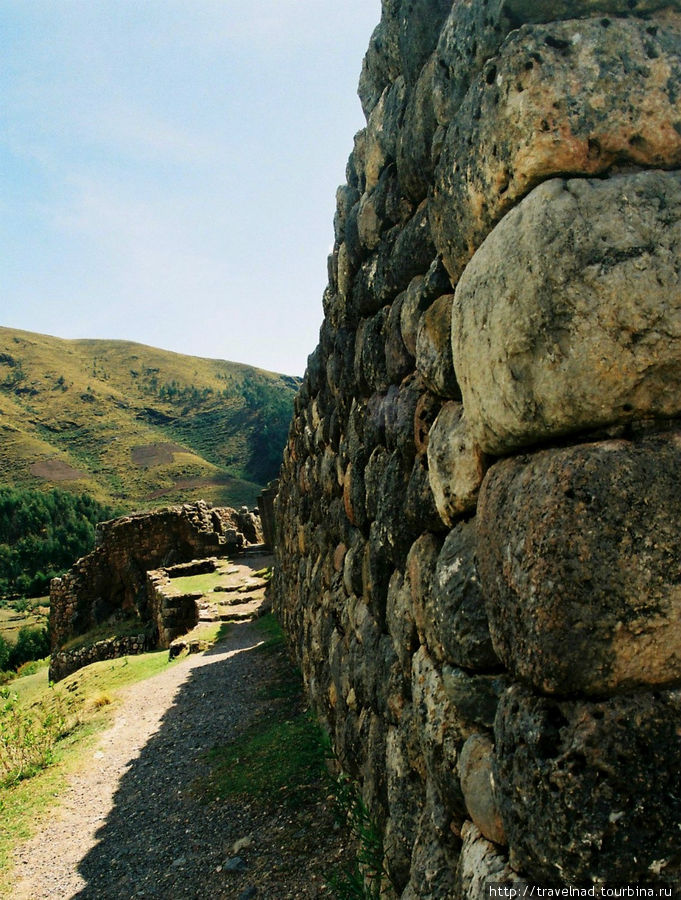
[[129, 827]]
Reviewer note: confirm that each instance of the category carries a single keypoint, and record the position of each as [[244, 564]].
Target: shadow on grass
[[174, 820]]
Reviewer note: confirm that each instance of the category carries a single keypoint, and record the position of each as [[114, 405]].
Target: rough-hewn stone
[[589, 791], [578, 557], [457, 620], [544, 349], [570, 97], [415, 161], [434, 348], [456, 464], [475, 768], [482, 863]]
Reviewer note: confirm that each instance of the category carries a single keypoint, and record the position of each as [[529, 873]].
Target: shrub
[[32, 643], [4, 654], [28, 736]]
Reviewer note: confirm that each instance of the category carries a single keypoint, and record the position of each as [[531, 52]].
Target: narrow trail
[[128, 825]]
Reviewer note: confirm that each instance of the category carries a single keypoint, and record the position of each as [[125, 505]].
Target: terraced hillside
[[135, 425]]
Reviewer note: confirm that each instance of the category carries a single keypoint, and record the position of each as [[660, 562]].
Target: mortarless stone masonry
[[111, 582], [479, 518]]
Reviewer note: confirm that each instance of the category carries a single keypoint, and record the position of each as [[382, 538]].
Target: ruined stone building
[[479, 513], [110, 584]]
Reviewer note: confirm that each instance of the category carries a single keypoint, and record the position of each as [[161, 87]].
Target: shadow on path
[[159, 840]]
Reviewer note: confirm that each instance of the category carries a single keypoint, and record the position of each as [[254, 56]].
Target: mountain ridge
[[136, 425]]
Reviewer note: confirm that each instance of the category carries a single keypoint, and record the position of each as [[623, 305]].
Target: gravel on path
[[129, 825]]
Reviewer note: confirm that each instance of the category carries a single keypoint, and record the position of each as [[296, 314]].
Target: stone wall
[[171, 614], [110, 582], [479, 510], [266, 507], [65, 662]]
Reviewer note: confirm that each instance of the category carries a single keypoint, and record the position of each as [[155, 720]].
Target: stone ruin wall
[[479, 529], [111, 582]]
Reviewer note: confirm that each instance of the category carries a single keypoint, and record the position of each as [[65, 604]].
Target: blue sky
[[168, 168]]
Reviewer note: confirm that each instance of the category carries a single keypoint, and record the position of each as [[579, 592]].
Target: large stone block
[[473, 33], [420, 293], [456, 464], [578, 554], [383, 130], [457, 621], [570, 97], [398, 360], [547, 10], [419, 504], [420, 23], [569, 315], [412, 253], [441, 731], [393, 530], [381, 63], [406, 796], [420, 567], [434, 348], [414, 149], [434, 858], [400, 409], [477, 784], [590, 791], [474, 697]]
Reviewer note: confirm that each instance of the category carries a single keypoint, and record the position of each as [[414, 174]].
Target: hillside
[[136, 426]]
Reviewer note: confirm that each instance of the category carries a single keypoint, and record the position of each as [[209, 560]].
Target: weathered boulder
[[383, 130], [420, 566], [456, 464], [398, 360], [415, 162], [570, 97], [474, 697], [381, 63], [569, 315], [457, 621], [441, 730], [578, 559], [589, 791], [400, 616], [475, 767], [420, 23], [434, 348], [406, 795]]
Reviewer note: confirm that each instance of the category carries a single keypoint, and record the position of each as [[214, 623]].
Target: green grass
[[283, 754], [207, 582], [198, 584], [105, 632], [366, 876], [271, 631], [90, 696], [283, 759]]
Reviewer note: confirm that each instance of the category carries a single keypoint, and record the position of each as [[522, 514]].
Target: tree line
[[42, 534]]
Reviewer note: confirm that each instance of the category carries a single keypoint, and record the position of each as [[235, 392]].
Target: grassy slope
[[126, 423], [91, 695]]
